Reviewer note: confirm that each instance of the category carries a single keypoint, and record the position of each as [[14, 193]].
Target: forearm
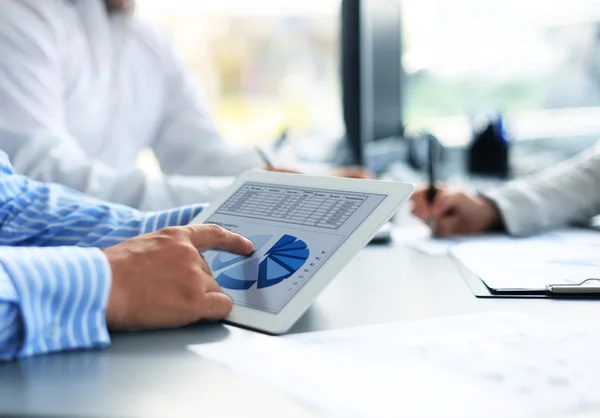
[[36, 214], [566, 194], [94, 225], [52, 299], [112, 234], [59, 160]]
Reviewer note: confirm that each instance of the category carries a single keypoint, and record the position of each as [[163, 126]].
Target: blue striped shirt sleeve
[[35, 214], [155, 221], [52, 299]]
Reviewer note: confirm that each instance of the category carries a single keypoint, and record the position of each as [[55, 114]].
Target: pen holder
[[488, 153]]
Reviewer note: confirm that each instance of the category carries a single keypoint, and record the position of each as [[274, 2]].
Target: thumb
[[213, 237]]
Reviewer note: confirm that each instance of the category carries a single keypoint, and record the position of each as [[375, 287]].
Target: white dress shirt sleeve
[[49, 158], [566, 194], [188, 141]]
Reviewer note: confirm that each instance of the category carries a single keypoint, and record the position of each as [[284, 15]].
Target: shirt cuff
[[62, 293], [520, 213], [155, 221]]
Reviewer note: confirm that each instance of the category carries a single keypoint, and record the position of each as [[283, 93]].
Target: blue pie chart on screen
[[224, 259], [269, 268]]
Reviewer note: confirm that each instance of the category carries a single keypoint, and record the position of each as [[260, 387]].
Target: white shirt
[[82, 92], [568, 193]]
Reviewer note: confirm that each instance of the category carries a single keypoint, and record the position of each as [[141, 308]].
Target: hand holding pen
[[451, 212], [455, 212]]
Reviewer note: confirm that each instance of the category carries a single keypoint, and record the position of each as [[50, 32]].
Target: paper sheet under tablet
[[564, 257]]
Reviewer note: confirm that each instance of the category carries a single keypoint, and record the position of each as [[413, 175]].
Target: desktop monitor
[[372, 74]]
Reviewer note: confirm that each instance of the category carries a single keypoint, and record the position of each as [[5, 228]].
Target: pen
[[265, 158], [432, 167]]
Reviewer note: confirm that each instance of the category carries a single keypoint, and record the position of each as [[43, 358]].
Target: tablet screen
[[294, 231]]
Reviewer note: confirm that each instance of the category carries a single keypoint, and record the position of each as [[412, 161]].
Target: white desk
[[152, 373]]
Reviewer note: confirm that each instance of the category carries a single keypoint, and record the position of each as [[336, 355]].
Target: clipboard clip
[[577, 289]]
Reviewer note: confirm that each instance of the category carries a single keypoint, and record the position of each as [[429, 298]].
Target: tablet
[[304, 230]]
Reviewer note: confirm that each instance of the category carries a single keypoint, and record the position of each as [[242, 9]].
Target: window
[[537, 61], [263, 65], [266, 65]]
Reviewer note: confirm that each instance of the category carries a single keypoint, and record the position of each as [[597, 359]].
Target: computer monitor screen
[[372, 75]]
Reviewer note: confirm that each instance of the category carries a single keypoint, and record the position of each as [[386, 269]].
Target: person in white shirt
[[568, 193], [85, 85]]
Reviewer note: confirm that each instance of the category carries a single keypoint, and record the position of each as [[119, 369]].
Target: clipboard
[[581, 290]]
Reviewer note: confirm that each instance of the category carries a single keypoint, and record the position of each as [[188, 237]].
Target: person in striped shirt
[[73, 267]]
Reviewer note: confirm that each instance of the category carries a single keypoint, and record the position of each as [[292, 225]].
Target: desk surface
[[152, 374]]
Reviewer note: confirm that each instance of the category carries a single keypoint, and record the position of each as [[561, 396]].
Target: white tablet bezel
[[396, 193]]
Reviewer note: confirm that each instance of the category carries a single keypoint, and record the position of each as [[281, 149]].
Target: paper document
[[551, 368], [417, 236], [441, 246], [486, 365], [564, 257], [433, 246]]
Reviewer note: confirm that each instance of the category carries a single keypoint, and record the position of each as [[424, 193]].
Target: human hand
[[455, 212], [352, 173], [349, 172], [281, 169], [113, 5], [160, 280]]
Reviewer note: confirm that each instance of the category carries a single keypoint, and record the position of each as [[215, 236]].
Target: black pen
[[432, 168], [265, 159]]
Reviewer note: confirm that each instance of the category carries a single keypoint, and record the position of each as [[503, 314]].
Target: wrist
[[115, 304], [493, 220]]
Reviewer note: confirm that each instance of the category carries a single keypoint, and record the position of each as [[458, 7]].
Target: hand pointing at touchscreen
[[160, 280]]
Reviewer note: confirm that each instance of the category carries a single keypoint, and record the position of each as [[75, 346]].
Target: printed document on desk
[[563, 257], [485, 365], [550, 368], [417, 236], [342, 377], [441, 246]]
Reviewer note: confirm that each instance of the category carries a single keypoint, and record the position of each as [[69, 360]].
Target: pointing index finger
[[213, 237]]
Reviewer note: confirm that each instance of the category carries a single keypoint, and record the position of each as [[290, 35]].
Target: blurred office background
[[266, 65]]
